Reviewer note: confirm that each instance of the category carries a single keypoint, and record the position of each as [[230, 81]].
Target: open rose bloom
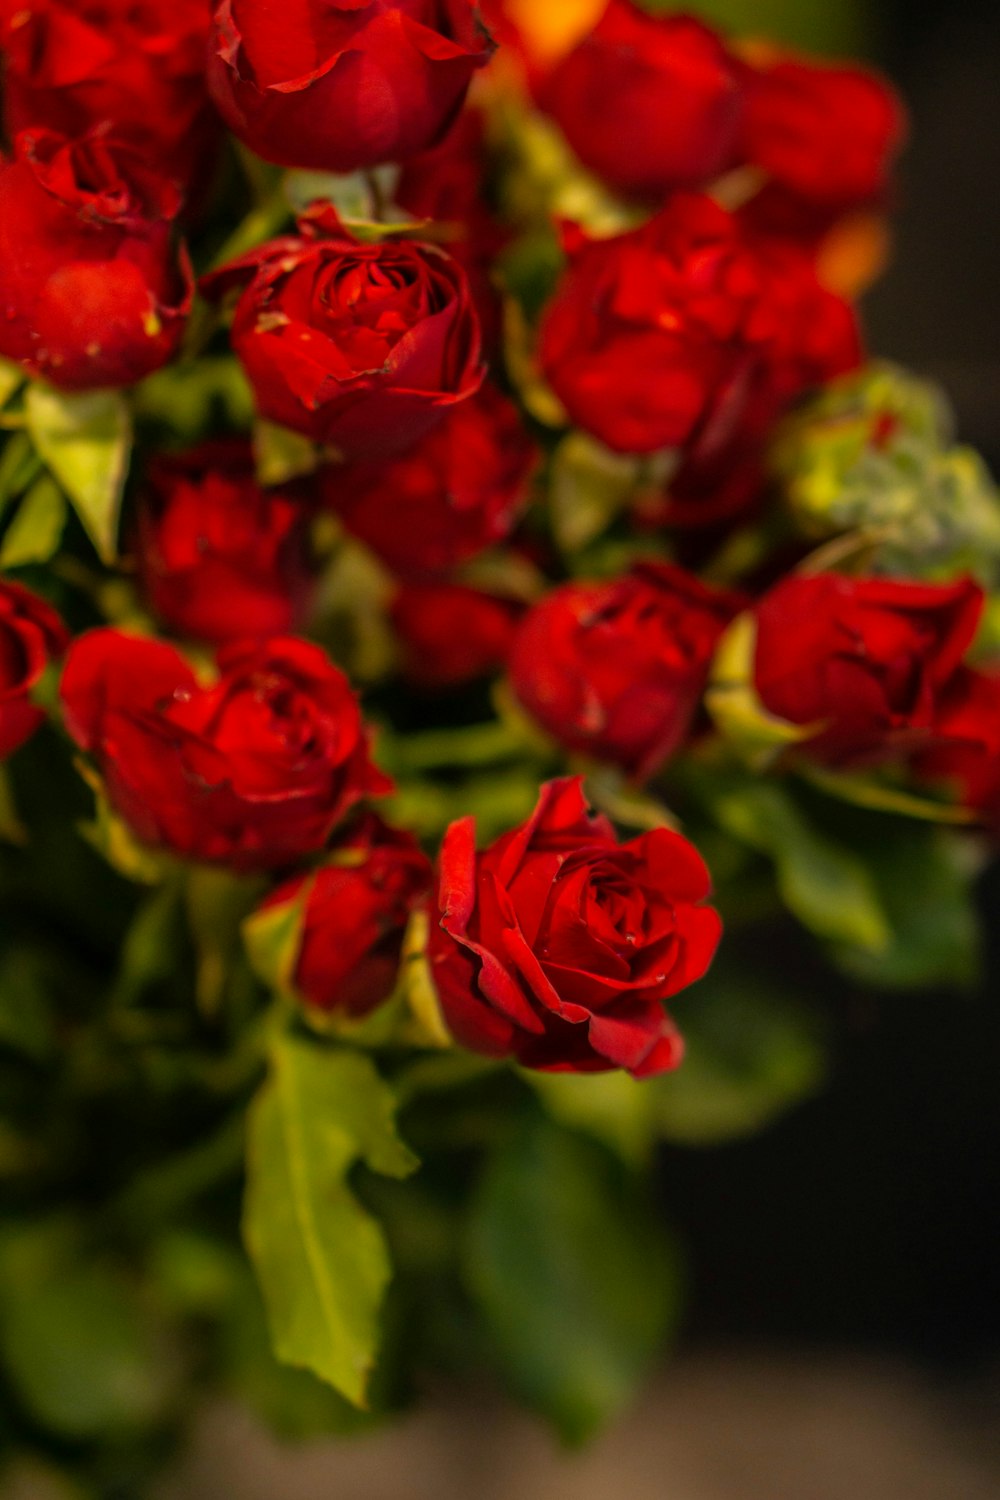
[[479, 637]]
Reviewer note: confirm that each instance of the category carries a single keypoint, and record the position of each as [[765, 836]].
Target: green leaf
[[19, 467], [925, 879], [281, 454], [578, 1284], [752, 1050], [187, 396], [36, 530], [85, 439], [74, 1342], [613, 1108], [590, 487], [881, 796], [321, 1259], [822, 882], [12, 377]]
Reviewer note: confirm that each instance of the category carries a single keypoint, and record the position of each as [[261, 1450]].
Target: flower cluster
[[505, 402], [457, 555]]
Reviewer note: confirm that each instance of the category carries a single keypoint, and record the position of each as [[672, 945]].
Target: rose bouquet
[[458, 560]]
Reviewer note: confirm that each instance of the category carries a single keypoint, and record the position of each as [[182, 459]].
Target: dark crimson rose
[[864, 660], [450, 634], [617, 670], [253, 771], [447, 185], [363, 347], [355, 911], [31, 636], [347, 83], [74, 64], [824, 136], [219, 558], [966, 750], [557, 945], [648, 103], [457, 491], [93, 289], [681, 332]]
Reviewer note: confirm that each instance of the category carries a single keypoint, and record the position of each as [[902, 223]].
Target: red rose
[[93, 289], [31, 636], [254, 771], [680, 333], [864, 660], [219, 558], [363, 347], [617, 670], [825, 136], [457, 491], [354, 917], [966, 748], [450, 635], [648, 103], [346, 84], [74, 64], [558, 945]]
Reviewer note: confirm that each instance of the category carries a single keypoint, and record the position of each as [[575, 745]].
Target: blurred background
[[843, 1333]]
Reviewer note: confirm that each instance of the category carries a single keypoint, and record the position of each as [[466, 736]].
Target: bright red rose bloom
[[74, 64], [93, 287], [363, 347], [346, 84], [617, 670], [557, 945], [457, 491], [219, 558], [671, 335], [864, 660], [825, 136], [966, 750], [31, 636], [254, 771], [354, 917], [450, 634], [648, 103]]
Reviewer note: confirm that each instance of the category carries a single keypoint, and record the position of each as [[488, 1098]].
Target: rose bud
[[965, 754], [826, 138], [617, 670], [253, 771], [354, 916], [74, 64], [346, 84], [648, 103], [666, 336], [93, 290], [457, 491], [31, 637], [363, 347], [861, 663], [219, 558], [557, 945], [450, 635]]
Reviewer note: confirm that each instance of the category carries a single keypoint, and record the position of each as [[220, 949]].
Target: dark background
[[871, 1217]]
